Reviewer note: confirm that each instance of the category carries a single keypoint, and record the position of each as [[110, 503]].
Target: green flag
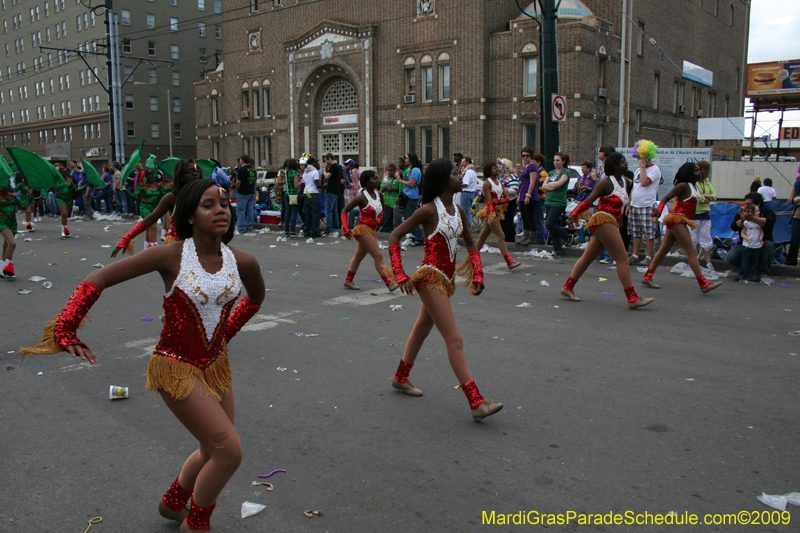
[[5, 173], [207, 166], [38, 172], [92, 175], [136, 156], [151, 162], [167, 166]]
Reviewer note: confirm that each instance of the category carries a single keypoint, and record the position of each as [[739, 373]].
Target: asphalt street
[[688, 405]]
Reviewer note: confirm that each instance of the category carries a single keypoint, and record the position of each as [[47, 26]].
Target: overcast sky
[[774, 37]]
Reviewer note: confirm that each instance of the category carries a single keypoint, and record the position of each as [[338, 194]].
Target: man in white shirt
[[767, 191], [646, 180], [469, 188], [311, 205]]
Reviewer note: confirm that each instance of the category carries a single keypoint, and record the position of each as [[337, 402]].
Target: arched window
[[245, 100], [341, 96], [410, 71]]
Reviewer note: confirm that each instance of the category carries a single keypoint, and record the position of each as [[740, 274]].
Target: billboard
[[779, 78], [720, 128]]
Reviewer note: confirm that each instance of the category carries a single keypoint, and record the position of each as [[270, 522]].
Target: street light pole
[[169, 110]]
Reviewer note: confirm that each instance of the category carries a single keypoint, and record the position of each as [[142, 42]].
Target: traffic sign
[[558, 107]]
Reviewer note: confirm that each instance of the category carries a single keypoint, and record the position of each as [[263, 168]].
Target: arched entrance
[[338, 133]]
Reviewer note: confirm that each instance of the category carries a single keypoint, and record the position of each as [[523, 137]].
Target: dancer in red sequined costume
[[185, 171], [604, 225], [189, 367], [678, 222], [494, 210], [443, 223], [371, 211]]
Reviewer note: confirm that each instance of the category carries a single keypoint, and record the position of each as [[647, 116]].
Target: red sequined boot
[[481, 408], [705, 286], [647, 281], [510, 263], [568, 290], [400, 380], [348, 281], [634, 300], [173, 503], [199, 519]]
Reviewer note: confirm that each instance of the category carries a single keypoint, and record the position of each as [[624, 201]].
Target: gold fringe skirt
[[673, 219], [178, 378], [499, 213], [363, 229], [169, 239], [599, 218], [433, 279]]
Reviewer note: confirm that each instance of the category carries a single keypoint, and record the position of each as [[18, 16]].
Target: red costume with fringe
[[682, 210], [369, 218], [496, 206], [438, 268], [609, 208]]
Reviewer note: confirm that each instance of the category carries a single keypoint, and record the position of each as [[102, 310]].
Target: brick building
[[373, 80], [52, 103]]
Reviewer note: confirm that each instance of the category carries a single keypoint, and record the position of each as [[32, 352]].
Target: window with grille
[[341, 96]]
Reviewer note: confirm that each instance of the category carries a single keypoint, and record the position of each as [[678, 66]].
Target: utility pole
[[111, 84], [622, 64], [550, 133]]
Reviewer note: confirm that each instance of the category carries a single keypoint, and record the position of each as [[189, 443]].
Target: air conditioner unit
[[245, 114], [409, 99], [681, 109], [699, 113], [602, 92]]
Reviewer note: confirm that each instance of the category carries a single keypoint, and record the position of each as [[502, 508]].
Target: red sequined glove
[[583, 206], [397, 263], [660, 209], [128, 237], [380, 218], [477, 268], [503, 201], [70, 318], [345, 229], [243, 312]]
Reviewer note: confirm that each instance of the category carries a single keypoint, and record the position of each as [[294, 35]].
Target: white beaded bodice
[[497, 188], [374, 203], [208, 292], [449, 226], [619, 190]]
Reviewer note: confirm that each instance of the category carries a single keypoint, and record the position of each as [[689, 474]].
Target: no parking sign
[[558, 107]]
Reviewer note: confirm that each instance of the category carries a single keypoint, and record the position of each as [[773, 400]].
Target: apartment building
[[54, 75]]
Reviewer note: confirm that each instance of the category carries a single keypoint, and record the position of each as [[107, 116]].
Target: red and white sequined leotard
[[369, 215], [196, 312], [609, 208], [439, 262], [683, 210]]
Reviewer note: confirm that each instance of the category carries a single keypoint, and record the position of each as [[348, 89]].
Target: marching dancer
[[190, 367], [604, 225], [443, 223], [64, 196], [26, 198], [185, 171], [150, 193], [8, 225], [371, 211], [496, 204], [678, 222]]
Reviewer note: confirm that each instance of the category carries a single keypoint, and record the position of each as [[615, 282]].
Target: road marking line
[[363, 299]]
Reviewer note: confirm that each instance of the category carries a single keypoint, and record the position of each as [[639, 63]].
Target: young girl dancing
[[604, 225], [64, 196], [494, 210], [8, 225], [443, 223], [678, 222], [26, 199], [190, 367], [371, 211], [150, 193], [185, 171]]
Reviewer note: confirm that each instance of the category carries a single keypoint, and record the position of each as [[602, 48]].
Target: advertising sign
[[780, 78], [697, 73], [720, 128], [669, 160], [791, 134], [339, 119]]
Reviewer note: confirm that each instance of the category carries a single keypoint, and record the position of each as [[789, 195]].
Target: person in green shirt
[[8, 227], [291, 199], [702, 215], [150, 193], [555, 202], [26, 197], [64, 196], [391, 190]]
